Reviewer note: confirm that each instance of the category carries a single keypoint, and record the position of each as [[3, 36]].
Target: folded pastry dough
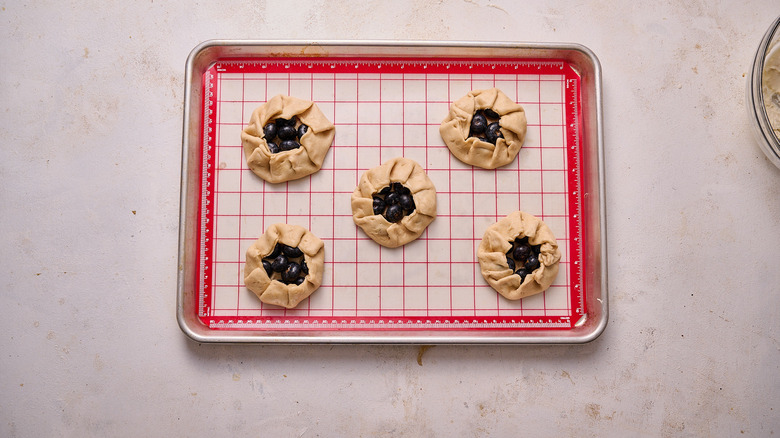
[[497, 240], [296, 163], [412, 176], [273, 291], [455, 129]]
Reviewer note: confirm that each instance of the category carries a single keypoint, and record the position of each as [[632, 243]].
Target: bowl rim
[[770, 143]]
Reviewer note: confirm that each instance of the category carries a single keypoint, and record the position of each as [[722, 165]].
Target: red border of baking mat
[[450, 66]]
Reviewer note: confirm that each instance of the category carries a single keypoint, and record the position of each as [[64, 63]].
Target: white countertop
[[92, 103]]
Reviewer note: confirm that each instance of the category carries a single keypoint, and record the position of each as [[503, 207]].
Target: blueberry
[[385, 191], [302, 130], [285, 122], [521, 252], [399, 188], [491, 114], [392, 198], [287, 132], [394, 213], [275, 253], [298, 281], [292, 272], [304, 267], [406, 202], [292, 252], [522, 273], [273, 147], [280, 263], [267, 267], [510, 263], [269, 131], [379, 205], [288, 145], [536, 249], [478, 124], [494, 132], [532, 263]]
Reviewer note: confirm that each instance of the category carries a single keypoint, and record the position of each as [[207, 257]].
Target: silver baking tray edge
[[588, 328]]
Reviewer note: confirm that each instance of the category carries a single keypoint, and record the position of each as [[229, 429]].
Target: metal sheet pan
[[209, 311]]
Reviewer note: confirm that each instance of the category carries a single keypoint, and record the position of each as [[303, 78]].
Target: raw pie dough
[[455, 129], [296, 163], [273, 291], [411, 175], [497, 241]]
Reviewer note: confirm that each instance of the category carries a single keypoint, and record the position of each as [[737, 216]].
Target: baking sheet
[[385, 107]]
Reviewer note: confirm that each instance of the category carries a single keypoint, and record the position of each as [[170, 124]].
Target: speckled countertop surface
[[92, 101]]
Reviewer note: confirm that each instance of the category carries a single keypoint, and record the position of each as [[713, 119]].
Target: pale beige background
[[91, 98]]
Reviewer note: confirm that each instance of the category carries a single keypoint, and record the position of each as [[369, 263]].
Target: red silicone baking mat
[[384, 109]]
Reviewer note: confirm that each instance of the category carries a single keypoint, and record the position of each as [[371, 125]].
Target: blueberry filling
[[282, 134], [291, 252], [288, 145], [400, 188], [269, 131], [287, 132], [286, 264], [478, 123], [532, 263], [406, 201], [485, 126], [280, 263], [511, 263], [379, 205], [521, 252], [392, 198], [493, 132], [523, 256], [280, 122], [292, 273], [275, 253], [394, 202], [491, 114], [394, 213]]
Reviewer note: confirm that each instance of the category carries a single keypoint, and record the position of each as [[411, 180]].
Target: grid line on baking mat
[[383, 109]]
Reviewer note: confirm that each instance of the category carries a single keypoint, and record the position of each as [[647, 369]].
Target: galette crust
[[497, 241], [411, 175], [273, 291], [455, 128], [296, 163]]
